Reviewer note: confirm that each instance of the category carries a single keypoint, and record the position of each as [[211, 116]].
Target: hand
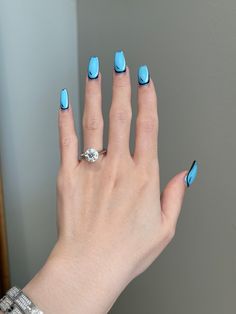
[[113, 222]]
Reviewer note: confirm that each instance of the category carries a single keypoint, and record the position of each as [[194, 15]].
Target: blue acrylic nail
[[192, 174], [143, 75], [64, 99], [93, 67], [119, 62]]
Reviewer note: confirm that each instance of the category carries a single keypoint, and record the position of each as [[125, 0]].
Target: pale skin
[[113, 221]]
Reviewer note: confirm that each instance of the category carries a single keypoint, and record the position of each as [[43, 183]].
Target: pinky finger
[[67, 134]]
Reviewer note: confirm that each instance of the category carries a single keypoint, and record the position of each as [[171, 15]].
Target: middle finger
[[92, 117], [120, 114]]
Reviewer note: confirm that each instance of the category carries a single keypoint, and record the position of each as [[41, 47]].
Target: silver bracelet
[[16, 302], [7, 302]]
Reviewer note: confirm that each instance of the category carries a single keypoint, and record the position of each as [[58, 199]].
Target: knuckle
[[121, 115], [147, 125], [120, 82], [92, 95], [69, 140], [93, 88], [92, 123]]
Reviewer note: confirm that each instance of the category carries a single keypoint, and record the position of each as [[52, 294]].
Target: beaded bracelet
[[16, 302]]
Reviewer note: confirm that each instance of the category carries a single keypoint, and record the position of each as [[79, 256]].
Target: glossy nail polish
[[143, 75], [119, 62], [64, 99], [93, 67], [192, 174]]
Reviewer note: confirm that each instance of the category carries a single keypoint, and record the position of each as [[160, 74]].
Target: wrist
[[64, 285]]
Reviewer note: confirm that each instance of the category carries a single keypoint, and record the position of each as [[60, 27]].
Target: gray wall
[[190, 47], [38, 47]]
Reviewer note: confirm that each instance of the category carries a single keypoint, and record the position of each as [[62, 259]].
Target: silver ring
[[91, 154]]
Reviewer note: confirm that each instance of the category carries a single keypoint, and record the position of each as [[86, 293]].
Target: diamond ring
[[91, 154]]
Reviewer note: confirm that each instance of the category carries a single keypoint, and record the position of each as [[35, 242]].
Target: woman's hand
[[113, 222]]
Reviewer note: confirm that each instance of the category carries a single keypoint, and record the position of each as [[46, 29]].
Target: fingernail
[[192, 174], [64, 99], [143, 75], [93, 67], [119, 62]]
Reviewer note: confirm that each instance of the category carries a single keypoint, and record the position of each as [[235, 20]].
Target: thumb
[[173, 194]]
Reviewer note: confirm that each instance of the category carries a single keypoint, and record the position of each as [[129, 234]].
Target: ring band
[[91, 154]]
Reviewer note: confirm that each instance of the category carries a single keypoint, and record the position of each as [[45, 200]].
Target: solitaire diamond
[[91, 155]]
